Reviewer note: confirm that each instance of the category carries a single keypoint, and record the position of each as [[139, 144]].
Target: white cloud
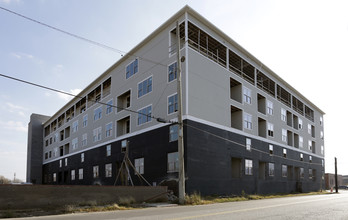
[[14, 126], [20, 55], [68, 97], [12, 108]]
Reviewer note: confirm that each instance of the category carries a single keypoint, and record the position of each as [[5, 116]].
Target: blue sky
[[304, 42]]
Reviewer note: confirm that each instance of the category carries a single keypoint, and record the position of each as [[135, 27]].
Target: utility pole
[[180, 129], [336, 183]]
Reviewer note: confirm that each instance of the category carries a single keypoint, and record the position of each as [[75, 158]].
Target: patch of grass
[[126, 201], [197, 199]]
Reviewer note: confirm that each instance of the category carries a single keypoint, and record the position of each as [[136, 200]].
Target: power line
[[122, 53], [81, 97]]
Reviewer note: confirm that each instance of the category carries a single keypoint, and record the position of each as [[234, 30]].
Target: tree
[[4, 180]]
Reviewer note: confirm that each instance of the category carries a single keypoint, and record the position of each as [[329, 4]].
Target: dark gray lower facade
[[215, 163]]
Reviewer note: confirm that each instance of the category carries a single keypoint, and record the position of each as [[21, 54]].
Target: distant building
[[245, 128], [330, 180]]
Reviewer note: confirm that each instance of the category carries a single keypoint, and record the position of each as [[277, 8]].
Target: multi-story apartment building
[[245, 128]]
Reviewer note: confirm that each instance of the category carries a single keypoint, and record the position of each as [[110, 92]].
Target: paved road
[[330, 206]]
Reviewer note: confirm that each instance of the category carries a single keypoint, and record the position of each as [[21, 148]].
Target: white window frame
[[284, 135], [75, 143], [248, 144], [81, 174], [75, 126], [310, 145], [173, 165], [284, 170], [97, 133], [85, 120], [284, 152], [139, 165], [248, 164], [300, 141], [269, 107], [66, 161], [248, 121], [322, 149], [98, 112], [147, 90], [270, 129], [174, 72], [321, 120], [283, 114], [73, 175], [309, 129], [173, 132], [108, 150], [109, 106], [108, 129], [321, 134], [246, 95], [54, 177], [300, 123], [270, 147], [108, 170], [82, 157], [148, 117], [84, 140], [95, 171], [135, 70], [270, 169], [172, 104]]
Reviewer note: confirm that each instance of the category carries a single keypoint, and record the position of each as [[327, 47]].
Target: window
[[81, 174], [97, 134], [310, 159], [284, 135], [284, 152], [173, 132], [82, 157], [145, 87], [139, 165], [173, 162], [270, 169], [248, 144], [172, 104], [301, 157], [322, 150], [54, 177], [284, 171], [108, 150], [270, 129], [75, 126], [66, 161], [248, 121], [55, 137], [301, 172], [300, 141], [109, 107], [270, 149], [72, 174], [97, 113], [108, 129], [283, 114], [74, 143], [247, 95], [144, 115], [84, 140], [309, 145], [300, 123], [321, 134], [309, 129], [95, 171], [85, 120], [108, 170], [172, 72], [248, 167], [269, 107], [132, 68], [310, 173], [321, 121], [60, 163]]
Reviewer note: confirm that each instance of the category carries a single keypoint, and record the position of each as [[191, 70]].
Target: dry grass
[[197, 199]]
